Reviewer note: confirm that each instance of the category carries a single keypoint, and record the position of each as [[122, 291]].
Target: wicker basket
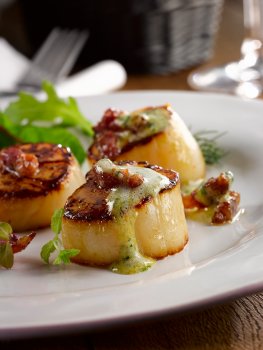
[[155, 36], [172, 35]]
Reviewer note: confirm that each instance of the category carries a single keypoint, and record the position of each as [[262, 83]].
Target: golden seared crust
[[89, 202], [43, 169], [100, 246], [159, 229], [35, 180]]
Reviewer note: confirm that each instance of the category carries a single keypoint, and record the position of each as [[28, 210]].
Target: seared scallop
[[35, 179], [154, 134], [125, 215]]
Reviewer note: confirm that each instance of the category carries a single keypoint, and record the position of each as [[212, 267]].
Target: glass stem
[[252, 48]]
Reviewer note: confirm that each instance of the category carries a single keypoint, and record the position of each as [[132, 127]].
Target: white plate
[[218, 262]]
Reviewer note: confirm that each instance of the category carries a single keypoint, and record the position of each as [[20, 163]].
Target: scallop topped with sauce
[[35, 179], [125, 215], [154, 134]]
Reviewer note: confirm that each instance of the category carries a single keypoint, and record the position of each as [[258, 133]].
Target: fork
[[53, 61]]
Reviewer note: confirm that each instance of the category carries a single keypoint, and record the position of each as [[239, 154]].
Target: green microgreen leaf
[[55, 245], [47, 250], [5, 231], [11, 244], [6, 251], [65, 255], [56, 221], [6, 255]]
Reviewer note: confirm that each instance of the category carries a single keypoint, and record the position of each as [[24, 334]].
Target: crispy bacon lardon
[[170, 145], [89, 225], [214, 197], [35, 179]]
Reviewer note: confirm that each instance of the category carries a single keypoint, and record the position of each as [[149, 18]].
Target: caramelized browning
[[32, 170], [89, 202]]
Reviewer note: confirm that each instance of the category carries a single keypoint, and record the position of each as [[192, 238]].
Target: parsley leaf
[[63, 255], [54, 109], [5, 138]]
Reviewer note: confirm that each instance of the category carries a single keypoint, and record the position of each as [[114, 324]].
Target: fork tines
[[55, 58]]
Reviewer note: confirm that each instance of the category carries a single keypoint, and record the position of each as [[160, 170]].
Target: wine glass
[[244, 77]]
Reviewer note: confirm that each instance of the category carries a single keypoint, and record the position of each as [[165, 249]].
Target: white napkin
[[102, 77], [12, 65]]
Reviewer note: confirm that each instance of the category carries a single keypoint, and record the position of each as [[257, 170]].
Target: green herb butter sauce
[[131, 260], [121, 203], [142, 124]]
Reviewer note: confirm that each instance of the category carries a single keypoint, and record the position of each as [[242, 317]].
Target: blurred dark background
[[146, 36]]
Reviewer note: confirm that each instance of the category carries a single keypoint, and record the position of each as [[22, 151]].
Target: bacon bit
[[107, 134], [105, 145], [114, 178], [27, 165], [225, 211], [215, 187], [125, 178], [20, 243], [18, 163], [108, 121]]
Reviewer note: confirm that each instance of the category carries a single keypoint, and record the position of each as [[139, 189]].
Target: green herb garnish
[[10, 244], [6, 251], [52, 120], [63, 255], [207, 141]]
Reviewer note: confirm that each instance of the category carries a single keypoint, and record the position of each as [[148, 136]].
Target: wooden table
[[236, 324]]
